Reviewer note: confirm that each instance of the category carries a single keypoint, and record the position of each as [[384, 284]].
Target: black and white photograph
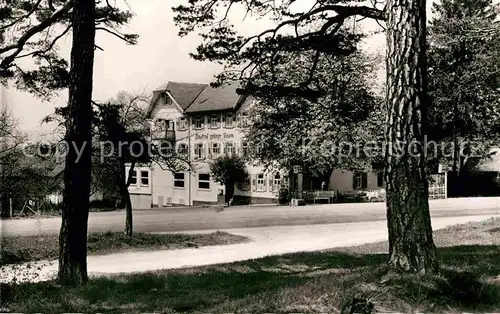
[[250, 156]]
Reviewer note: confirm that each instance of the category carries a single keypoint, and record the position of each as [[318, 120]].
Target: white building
[[203, 123]]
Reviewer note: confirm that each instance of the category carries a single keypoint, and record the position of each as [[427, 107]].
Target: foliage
[[33, 29], [284, 196], [23, 174], [464, 74], [325, 133], [228, 169]]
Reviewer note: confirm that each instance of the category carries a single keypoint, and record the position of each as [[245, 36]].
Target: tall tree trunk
[[124, 183], [77, 172], [411, 247]]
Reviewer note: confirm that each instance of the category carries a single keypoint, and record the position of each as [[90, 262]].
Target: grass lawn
[[21, 249], [469, 281]]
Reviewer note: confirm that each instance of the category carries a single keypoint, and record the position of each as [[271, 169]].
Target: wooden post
[[10, 207]]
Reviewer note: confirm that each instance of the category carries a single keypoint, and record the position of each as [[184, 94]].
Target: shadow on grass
[[15, 250], [273, 284]]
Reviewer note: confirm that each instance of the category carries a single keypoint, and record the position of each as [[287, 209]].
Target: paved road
[[265, 241], [191, 219]]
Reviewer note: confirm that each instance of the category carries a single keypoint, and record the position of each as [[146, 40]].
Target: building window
[[133, 178], [144, 178], [160, 125], [182, 149], [198, 151], [380, 179], [179, 179], [229, 149], [244, 119], [215, 150], [183, 124], [170, 125], [229, 120], [164, 124], [360, 180], [198, 122], [261, 183], [204, 181], [276, 182], [244, 148], [215, 121]]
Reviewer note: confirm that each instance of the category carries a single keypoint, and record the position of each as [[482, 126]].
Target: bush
[[284, 196], [103, 205]]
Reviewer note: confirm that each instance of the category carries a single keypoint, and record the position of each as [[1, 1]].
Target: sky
[[160, 56]]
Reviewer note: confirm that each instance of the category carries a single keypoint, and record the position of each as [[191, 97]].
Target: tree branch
[[343, 12], [130, 41], [21, 17], [52, 44], [6, 62]]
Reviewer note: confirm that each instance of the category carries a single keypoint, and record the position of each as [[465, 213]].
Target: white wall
[[342, 181], [140, 201], [165, 190], [140, 188]]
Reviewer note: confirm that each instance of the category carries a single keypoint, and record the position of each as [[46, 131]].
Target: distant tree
[[122, 126], [324, 133], [228, 170], [464, 72], [10, 140], [24, 174]]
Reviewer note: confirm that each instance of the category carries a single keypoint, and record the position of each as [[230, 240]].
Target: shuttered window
[[360, 180]]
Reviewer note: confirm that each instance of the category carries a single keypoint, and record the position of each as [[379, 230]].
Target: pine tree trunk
[[77, 172], [411, 246]]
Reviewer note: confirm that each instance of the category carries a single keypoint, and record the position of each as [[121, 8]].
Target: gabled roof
[[185, 93], [213, 99], [193, 97]]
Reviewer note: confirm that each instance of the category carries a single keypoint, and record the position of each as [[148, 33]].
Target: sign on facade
[[442, 168]]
